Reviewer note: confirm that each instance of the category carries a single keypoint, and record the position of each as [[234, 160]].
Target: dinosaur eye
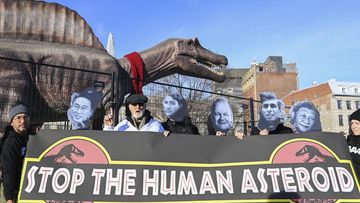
[[191, 44]]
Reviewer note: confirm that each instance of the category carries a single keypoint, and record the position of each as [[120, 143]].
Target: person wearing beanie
[[137, 117], [353, 140], [14, 150]]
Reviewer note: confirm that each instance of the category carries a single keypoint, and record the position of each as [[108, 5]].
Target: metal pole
[[252, 116], [245, 128], [117, 97], [113, 98]]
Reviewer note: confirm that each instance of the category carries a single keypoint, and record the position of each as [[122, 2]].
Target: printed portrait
[[272, 111], [304, 117], [82, 107], [221, 115], [175, 107]]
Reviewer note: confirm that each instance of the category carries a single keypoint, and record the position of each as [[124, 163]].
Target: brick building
[[270, 76], [334, 100]]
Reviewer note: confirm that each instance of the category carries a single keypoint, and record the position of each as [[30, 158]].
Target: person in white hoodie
[[137, 117]]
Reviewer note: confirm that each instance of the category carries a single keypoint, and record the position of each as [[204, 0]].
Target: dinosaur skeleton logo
[[305, 152], [313, 155], [75, 152], [65, 155]]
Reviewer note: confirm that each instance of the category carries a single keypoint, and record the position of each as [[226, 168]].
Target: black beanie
[[355, 115]]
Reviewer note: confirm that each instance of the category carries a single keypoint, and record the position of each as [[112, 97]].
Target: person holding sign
[[178, 120], [221, 119], [272, 116], [137, 117], [304, 117], [353, 140], [14, 146]]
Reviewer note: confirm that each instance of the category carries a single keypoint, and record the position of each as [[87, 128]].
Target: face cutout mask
[[82, 108], [304, 117], [272, 111], [222, 115], [175, 107]]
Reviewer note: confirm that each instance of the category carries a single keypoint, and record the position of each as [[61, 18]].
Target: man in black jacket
[[14, 150]]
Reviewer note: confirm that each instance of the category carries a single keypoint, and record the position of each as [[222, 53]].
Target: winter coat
[[181, 127], [151, 125], [354, 147], [280, 129], [12, 157]]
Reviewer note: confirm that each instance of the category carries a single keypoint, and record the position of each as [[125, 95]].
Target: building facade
[[334, 100], [232, 83], [270, 76]]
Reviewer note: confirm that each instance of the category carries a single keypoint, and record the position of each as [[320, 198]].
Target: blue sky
[[320, 36]]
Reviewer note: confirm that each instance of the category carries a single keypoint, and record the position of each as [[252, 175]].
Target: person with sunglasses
[[137, 117]]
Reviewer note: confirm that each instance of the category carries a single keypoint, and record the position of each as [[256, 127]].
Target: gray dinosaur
[[49, 33]]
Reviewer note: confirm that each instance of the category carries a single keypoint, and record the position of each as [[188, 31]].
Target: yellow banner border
[[194, 165]]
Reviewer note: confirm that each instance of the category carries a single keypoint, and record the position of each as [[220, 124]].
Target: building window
[[316, 95], [343, 90], [341, 120], [357, 104], [339, 104], [356, 90], [261, 69], [348, 105]]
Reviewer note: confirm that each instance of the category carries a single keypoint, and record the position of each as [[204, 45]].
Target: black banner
[[98, 166]]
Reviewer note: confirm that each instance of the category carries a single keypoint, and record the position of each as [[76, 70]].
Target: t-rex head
[[183, 56]]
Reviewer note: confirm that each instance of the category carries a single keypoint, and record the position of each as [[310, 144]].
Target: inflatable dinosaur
[[34, 33]]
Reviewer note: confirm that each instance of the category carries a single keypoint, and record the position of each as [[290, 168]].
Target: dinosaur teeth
[[210, 65], [221, 66]]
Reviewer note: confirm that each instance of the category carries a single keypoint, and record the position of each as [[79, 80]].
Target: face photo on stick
[[272, 111], [82, 107], [222, 115], [175, 107], [305, 117]]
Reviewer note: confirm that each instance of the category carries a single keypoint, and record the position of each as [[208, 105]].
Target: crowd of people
[[304, 117]]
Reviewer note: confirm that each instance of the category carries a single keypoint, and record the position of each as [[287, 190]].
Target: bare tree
[[194, 90]]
